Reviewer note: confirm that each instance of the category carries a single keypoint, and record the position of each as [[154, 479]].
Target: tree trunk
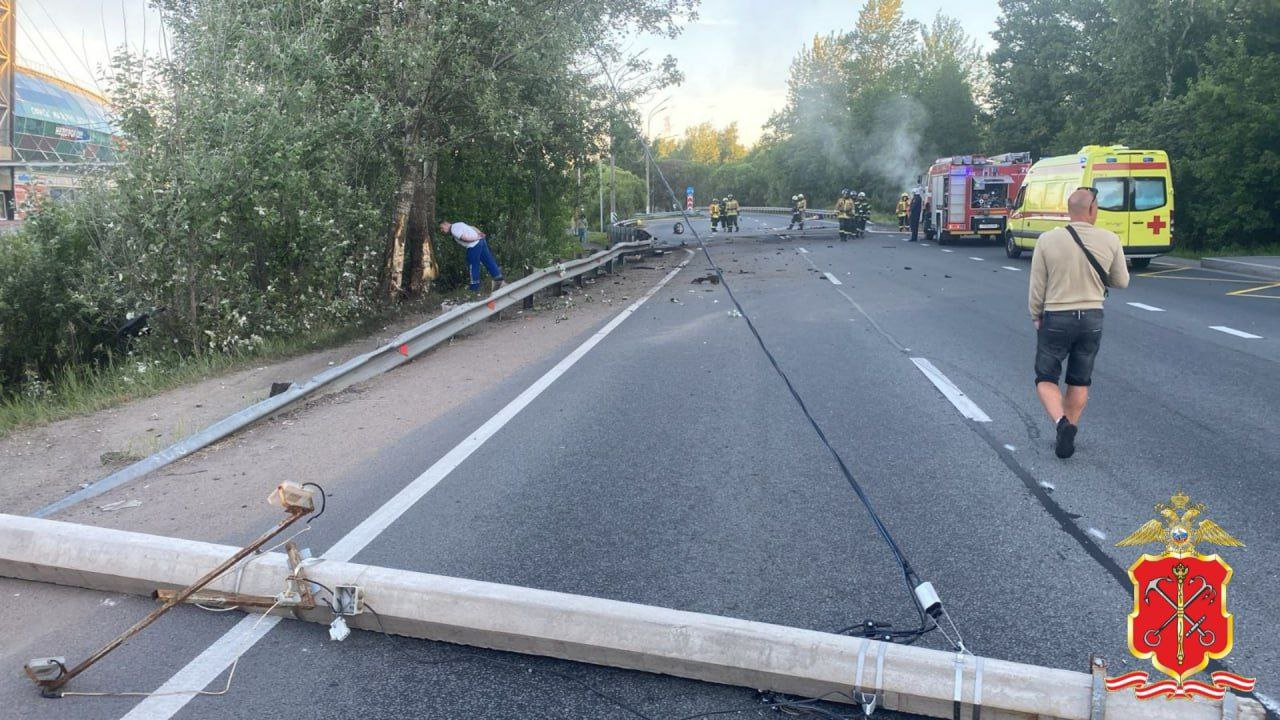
[[393, 273], [422, 258]]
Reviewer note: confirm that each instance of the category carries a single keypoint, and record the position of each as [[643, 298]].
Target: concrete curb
[[601, 632], [1242, 267]]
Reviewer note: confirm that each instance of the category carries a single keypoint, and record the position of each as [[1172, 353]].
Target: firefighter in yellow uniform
[[798, 206], [731, 214], [844, 214], [714, 210], [861, 214], [904, 209]]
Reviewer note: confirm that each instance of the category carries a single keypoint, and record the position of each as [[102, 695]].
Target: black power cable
[[909, 575]]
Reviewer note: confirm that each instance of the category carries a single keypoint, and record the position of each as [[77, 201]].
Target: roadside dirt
[[219, 495], [41, 465]]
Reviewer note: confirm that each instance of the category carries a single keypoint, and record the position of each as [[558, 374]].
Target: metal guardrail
[[405, 347], [816, 212]]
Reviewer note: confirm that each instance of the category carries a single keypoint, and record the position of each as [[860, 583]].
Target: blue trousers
[[477, 255]]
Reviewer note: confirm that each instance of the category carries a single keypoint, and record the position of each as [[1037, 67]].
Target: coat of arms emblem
[[1180, 620]]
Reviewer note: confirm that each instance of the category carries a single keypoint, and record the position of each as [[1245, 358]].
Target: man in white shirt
[[478, 252]]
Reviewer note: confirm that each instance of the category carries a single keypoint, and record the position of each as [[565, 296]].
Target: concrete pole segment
[[586, 629]]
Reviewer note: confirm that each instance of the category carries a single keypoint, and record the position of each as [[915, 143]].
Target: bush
[[47, 320]]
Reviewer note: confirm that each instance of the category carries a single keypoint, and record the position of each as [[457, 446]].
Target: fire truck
[[969, 196]]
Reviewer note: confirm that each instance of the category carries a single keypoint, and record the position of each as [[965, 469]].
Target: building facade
[[59, 131]]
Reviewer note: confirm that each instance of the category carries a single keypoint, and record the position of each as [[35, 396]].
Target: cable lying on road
[[927, 602]]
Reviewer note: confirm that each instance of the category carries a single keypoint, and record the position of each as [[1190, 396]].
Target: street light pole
[[648, 137]]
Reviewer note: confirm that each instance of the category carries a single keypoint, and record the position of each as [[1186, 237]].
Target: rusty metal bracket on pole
[[1098, 698], [295, 509]]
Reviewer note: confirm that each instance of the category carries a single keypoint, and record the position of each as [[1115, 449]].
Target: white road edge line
[[1233, 331], [214, 660], [834, 280], [1144, 306], [967, 407]]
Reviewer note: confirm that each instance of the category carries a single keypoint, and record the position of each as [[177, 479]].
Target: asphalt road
[[670, 467]]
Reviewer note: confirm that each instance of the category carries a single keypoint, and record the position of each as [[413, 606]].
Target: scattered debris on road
[[120, 505]]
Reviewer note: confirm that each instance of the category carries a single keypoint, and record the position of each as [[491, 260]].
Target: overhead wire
[[84, 61], [910, 577]]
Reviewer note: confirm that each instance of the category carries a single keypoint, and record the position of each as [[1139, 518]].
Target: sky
[[734, 58], [74, 39]]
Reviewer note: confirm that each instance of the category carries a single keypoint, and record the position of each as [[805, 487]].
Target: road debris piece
[[120, 505]]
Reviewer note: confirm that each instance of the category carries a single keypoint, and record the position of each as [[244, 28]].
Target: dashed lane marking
[[1010, 267], [945, 250], [1144, 306], [803, 250], [1233, 331], [977, 259], [834, 280], [967, 407]]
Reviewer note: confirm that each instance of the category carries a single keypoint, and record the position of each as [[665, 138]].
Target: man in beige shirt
[[1065, 300]]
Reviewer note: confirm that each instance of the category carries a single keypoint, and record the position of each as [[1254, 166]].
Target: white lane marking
[[967, 407], [1010, 267], [976, 258], [1144, 306], [924, 244], [1233, 331], [834, 280], [803, 250], [214, 660], [1095, 532], [1009, 447], [948, 251]]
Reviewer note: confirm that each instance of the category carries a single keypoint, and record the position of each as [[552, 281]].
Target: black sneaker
[[1066, 445]]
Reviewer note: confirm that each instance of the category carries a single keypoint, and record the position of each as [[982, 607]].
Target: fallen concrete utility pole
[[602, 632]]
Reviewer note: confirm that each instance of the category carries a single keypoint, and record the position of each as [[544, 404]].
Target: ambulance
[[1135, 199]]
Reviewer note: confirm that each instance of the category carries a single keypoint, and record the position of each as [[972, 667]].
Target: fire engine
[[969, 196]]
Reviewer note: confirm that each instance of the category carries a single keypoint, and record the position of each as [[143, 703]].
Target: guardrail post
[[527, 303], [608, 267]]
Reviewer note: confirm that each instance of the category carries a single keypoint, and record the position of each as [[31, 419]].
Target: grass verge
[[1229, 251], [79, 391]]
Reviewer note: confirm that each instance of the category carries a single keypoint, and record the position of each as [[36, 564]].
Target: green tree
[[1046, 72]]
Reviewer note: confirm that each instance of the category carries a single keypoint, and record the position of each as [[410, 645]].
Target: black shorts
[[1071, 335]]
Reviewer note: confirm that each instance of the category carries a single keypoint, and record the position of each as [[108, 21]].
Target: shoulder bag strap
[[1102, 274]]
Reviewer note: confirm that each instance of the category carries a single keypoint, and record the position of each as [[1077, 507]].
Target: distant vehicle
[[969, 196], [1135, 199]]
